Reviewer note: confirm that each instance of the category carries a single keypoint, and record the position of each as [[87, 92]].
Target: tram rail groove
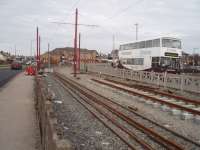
[[147, 97], [149, 132], [187, 100]]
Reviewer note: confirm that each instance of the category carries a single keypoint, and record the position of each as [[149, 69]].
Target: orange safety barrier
[[30, 70]]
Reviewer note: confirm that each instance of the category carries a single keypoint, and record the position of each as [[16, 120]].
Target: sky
[[155, 18]]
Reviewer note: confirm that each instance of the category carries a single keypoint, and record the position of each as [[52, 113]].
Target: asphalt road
[[6, 75]]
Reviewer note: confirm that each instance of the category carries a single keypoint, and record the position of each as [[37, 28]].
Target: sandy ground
[[17, 115]]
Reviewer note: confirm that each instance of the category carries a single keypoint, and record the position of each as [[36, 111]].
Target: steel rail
[[111, 119], [187, 100], [155, 136], [154, 99], [128, 108]]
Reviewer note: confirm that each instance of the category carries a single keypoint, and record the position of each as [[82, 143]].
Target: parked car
[[28, 62], [34, 63], [16, 65]]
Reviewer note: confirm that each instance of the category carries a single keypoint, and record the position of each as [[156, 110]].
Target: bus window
[[148, 44], [176, 44], [137, 45], [135, 61], [121, 47], [170, 43], [142, 44], [166, 42], [156, 43], [155, 61], [165, 61]]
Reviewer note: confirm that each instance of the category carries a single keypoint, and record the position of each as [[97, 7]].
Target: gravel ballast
[[188, 128], [78, 125]]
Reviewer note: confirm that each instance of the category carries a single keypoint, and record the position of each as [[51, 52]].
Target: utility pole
[[136, 31], [15, 51], [48, 57], [113, 42], [39, 53], [195, 50], [79, 49], [193, 56], [76, 53], [31, 48], [37, 47], [75, 43]]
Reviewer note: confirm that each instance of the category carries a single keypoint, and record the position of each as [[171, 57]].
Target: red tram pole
[[39, 53], [37, 40], [75, 43], [79, 49]]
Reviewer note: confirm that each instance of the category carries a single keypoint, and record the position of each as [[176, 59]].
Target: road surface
[[6, 75]]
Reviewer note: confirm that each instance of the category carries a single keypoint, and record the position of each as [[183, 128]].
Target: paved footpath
[[17, 115]]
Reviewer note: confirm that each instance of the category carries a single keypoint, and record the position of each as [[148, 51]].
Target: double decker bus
[[159, 54]]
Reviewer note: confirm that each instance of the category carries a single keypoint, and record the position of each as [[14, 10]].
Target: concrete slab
[[186, 116], [169, 100], [156, 105], [149, 102], [197, 119], [18, 129], [164, 98], [189, 106], [175, 112], [197, 108], [141, 99], [165, 108], [179, 103]]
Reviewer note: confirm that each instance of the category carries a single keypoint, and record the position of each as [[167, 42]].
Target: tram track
[[156, 91], [155, 97], [108, 108]]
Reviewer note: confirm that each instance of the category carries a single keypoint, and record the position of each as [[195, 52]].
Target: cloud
[[19, 19]]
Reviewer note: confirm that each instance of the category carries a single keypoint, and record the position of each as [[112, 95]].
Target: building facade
[[66, 55]]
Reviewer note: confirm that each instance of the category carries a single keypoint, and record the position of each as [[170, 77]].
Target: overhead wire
[[100, 27], [75, 4], [70, 14], [72, 8], [120, 12], [89, 25]]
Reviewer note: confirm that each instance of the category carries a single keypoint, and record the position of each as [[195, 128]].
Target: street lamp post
[[136, 31]]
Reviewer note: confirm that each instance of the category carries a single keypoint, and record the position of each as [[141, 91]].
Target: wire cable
[[72, 8], [75, 4], [120, 12]]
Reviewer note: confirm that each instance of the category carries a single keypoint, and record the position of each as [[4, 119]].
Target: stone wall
[[47, 120]]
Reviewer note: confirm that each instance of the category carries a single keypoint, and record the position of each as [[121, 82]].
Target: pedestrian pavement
[[18, 129]]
